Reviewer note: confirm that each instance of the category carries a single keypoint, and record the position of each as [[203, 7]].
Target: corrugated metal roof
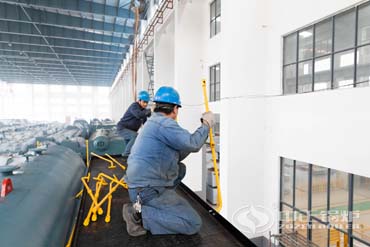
[[64, 41]]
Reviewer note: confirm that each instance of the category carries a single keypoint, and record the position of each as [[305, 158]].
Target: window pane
[[323, 38], [301, 185], [322, 73], [305, 77], [305, 43], [300, 223], [338, 238], [218, 25], [319, 192], [290, 79], [213, 28], [218, 91], [319, 234], [363, 66], [212, 75], [286, 217], [359, 244], [361, 208], [290, 48], [287, 181], [338, 197], [218, 72], [363, 25], [218, 7], [343, 69], [213, 5], [344, 31]]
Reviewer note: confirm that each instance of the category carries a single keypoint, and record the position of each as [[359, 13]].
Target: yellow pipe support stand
[[71, 236], [94, 201], [107, 196], [114, 179], [99, 211], [212, 144], [107, 217], [115, 161], [102, 158], [79, 193], [87, 152]]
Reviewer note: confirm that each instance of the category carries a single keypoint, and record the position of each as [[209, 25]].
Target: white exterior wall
[[257, 126]]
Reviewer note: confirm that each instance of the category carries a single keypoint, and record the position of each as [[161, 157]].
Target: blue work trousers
[[164, 211], [129, 136]]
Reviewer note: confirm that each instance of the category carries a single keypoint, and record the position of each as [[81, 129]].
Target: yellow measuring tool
[[212, 144]]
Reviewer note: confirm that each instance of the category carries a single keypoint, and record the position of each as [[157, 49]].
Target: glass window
[[215, 80], [287, 181], [323, 38], [322, 73], [305, 44], [338, 238], [301, 185], [363, 66], [359, 244], [71, 89], [361, 208], [218, 7], [363, 25], [319, 192], [300, 223], [290, 84], [338, 198], [215, 15], [218, 25], [305, 77], [344, 35], [213, 10], [319, 234], [286, 217], [290, 49], [213, 28], [344, 69]]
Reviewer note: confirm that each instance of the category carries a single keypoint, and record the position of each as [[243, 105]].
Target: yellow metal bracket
[[111, 165], [116, 162]]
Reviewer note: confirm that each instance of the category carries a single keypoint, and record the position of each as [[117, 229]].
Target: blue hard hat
[[167, 95], [144, 96]]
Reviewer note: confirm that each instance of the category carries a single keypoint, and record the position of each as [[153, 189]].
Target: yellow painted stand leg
[[94, 199], [94, 216], [212, 144], [107, 217], [87, 153]]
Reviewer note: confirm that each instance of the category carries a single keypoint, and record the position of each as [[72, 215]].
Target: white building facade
[[259, 124]]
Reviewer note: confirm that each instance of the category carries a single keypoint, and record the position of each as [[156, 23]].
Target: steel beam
[[26, 29], [32, 41], [76, 7], [9, 12]]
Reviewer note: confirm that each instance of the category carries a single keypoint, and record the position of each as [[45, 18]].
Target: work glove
[[208, 118], [148, 112]]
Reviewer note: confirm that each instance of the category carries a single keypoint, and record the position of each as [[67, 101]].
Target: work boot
[[134, 227]]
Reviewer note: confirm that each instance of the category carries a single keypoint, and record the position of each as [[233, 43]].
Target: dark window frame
[[312, 218], [213, 84], [213, 20], [331, 54]]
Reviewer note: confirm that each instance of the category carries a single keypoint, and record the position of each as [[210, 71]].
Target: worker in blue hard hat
[[155, 169], [134, 117]]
